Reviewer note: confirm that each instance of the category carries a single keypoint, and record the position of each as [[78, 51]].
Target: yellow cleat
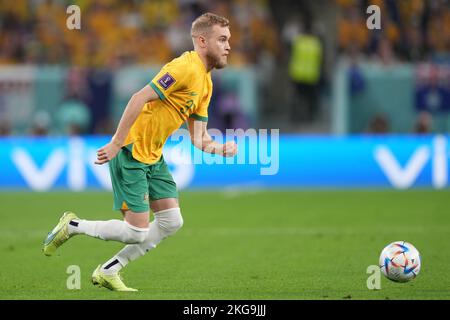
[[112, 282], [59, 234]]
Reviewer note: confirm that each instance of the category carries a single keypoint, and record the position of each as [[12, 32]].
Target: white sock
[[166, 223], [116, 230], [133, 251]]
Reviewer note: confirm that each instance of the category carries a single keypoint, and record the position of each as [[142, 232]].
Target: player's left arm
[[203, 141]]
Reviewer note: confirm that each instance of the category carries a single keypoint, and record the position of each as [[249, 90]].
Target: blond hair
[[203, 24]]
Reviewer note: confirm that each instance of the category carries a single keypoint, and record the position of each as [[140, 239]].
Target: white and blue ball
[[400, 261]]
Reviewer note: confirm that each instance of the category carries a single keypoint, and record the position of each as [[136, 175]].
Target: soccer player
[[141, 181]]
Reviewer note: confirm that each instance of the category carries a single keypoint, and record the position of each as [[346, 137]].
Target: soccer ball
[[400, 261]]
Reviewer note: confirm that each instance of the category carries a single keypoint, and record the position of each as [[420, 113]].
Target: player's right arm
[[129, 116], [203, 141]]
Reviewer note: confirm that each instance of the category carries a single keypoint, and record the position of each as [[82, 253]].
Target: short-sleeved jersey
[[184, 88]]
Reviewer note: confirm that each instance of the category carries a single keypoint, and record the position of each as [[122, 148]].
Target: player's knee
[[170, 221], [177, 223], [174, 224], [135, 235]]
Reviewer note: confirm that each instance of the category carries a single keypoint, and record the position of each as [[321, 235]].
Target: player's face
[[218, 46]]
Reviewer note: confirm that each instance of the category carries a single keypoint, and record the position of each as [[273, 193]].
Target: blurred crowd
[[412, 30], [293, 47], [115, 32]]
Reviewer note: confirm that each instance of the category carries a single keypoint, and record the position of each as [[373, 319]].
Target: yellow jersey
[[184, 88]]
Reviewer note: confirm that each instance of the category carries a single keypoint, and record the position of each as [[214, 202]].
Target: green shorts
[[135, 183]]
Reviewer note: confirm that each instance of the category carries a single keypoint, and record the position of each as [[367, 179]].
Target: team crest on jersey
[[166, 81]]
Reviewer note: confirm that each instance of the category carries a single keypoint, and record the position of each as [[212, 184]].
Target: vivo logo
[[405, 177], [79, 159], [75, 156]]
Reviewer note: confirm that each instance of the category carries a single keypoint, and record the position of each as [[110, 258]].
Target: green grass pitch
[[236, 245]]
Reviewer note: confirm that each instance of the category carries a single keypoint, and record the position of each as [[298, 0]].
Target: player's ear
[[202, 41]]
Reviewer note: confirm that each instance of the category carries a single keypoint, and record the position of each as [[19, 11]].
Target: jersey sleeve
[[201, 112], [172, 77]]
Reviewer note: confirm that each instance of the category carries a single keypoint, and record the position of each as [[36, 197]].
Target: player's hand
[[107, 152], [229, 149]]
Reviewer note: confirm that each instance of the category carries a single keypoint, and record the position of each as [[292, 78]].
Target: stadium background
[[361, 113]]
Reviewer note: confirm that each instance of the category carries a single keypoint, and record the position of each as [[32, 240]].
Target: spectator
[[356, 77], [99, 83], [41, 124], [379, 124], [305, 71], [424, 123]]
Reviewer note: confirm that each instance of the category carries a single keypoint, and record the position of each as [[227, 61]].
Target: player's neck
[[204, 60]]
